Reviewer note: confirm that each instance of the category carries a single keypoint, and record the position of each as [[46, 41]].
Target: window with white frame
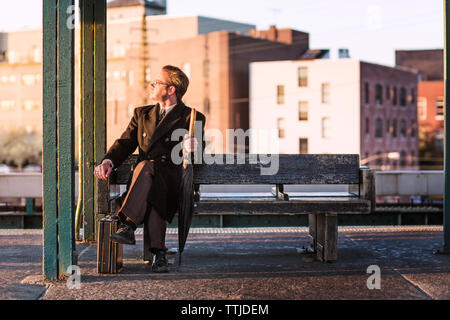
[[303, 110], [302, 76], [325, 127], [440, 108], [280, 94], [325, 93], [422, 108]]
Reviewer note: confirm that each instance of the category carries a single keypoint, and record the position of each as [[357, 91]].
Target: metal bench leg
[[146, 247], [312, 222], [327, 236]]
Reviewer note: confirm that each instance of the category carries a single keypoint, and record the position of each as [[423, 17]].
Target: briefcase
[[109, 254]]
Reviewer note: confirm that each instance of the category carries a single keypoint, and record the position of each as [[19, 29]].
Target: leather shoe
[[160, 265], [125, 235]]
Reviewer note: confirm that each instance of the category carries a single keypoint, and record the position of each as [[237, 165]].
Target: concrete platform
[[249, 263]]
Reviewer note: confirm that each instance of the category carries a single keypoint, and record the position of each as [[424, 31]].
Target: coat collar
[[157, 131]]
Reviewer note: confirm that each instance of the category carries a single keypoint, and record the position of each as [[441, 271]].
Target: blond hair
[[178, 79]]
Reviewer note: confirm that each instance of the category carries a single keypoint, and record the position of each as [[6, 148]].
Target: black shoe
[[124, 235], [160, 265]]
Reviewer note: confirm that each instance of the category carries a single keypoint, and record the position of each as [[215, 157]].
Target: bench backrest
[[292, 169]]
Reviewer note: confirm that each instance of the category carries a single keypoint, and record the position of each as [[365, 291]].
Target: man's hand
[[103, 170], [190, 143]]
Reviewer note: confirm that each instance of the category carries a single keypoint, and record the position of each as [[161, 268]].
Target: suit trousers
[[135, 205]]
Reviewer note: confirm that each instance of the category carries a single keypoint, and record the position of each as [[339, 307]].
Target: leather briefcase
[[109, 254]]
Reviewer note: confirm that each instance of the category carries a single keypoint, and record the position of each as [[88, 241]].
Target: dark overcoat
[[154, 142]]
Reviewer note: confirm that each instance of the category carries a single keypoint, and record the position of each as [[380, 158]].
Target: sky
[[371, 29]]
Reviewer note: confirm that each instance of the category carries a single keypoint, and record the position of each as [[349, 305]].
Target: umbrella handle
[[191, 132]]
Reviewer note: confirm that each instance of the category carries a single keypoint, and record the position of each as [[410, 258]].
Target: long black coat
[[154, 143]]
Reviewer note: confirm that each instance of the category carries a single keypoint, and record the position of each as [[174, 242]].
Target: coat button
[[167, 140]]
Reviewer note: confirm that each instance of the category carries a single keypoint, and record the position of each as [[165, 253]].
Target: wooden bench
[[304, 169]]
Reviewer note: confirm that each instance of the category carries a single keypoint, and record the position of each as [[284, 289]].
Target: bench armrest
[[367, 186]]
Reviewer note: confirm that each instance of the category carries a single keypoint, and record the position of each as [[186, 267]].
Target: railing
[[388, 183]]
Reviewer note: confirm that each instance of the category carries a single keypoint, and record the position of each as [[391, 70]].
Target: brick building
[[430, 65]]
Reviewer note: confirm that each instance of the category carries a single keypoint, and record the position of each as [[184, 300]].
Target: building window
[[402, 97], [280, 94], [30, 79], [187, 69], [303, 145], [303, 110], [302, 76], [280, 126], [130, 78], [206, 68], [325, 93], [379, 159], [378, 94], [413, 128], [394, 96], [402, 128], [366, 92], [325, 127], [7, 105], [206, 105], [367, 127], [148, 75], [388, 126], [422, 108], [118, 50], [413, 96], [378, 128], [29, 105], [388, 93], [394, 128], [403, 159], [413, 158], [440, 108]]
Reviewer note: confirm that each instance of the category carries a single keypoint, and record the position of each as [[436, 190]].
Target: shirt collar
[[167, 109]]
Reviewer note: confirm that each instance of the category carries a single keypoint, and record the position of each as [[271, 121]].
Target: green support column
[[58, 125], [446, 244], [99, 89], [93, 104], [49, 172], [66, 137]]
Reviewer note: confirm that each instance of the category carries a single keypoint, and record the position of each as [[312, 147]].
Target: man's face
[[159, 90]]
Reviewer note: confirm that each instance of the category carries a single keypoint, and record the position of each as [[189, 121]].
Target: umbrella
[[187, 195]]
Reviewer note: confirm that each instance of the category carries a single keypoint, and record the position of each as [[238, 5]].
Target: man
[[153, 194]]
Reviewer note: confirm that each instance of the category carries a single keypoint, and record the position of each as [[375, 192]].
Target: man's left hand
[[190, 144]]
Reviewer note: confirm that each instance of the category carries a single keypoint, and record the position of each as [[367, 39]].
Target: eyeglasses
[[154, 83]]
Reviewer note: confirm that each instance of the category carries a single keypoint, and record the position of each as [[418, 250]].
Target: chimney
[[273, 33]]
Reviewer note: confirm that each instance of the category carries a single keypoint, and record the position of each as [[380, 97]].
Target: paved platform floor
[[250, 264]]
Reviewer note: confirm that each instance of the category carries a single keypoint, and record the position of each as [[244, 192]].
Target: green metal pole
[[87, 117], [446, 244], [93, 105], [99, 89], [66, 138], [49, 168]]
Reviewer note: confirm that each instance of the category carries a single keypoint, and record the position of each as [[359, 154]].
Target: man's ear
[[172, 90]]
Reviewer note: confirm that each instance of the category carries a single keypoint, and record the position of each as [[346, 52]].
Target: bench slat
[[307, 206], [292, 169]]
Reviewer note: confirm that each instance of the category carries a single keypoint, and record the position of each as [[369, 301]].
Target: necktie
[[161, 116]]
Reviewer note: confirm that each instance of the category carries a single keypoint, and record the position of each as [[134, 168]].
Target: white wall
[[343, 109]]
